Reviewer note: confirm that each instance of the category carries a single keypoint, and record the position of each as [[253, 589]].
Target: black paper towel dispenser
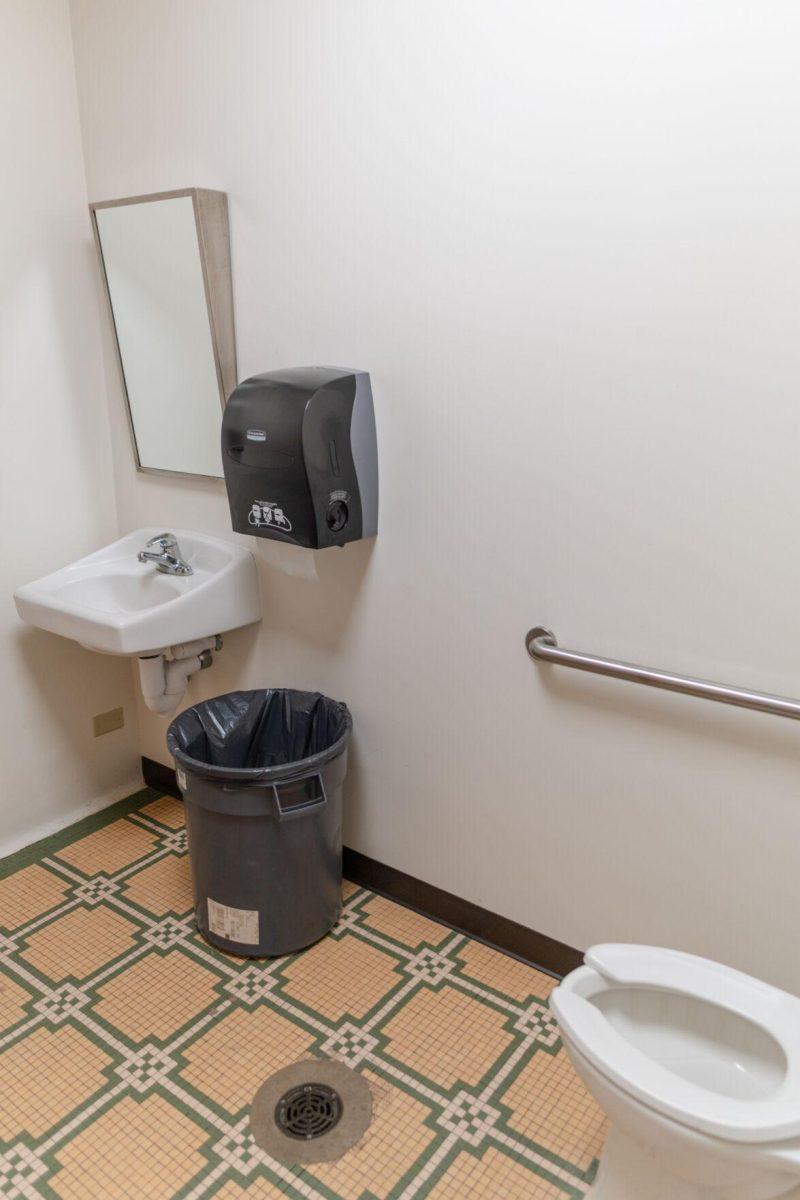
[[300, 456]]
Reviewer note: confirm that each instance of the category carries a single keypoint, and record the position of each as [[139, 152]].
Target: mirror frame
[[214, 245]]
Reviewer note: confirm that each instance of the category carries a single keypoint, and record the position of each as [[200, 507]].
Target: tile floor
[[130, 1050]]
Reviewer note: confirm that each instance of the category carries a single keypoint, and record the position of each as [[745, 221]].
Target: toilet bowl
[[698, 1069]]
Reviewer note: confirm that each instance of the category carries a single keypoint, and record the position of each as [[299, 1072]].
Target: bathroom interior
[[400, 426]]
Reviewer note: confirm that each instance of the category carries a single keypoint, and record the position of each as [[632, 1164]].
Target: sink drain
[[308, 1111], [312, 1111]]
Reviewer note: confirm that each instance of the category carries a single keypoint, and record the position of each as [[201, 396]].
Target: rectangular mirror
[[165, 260]]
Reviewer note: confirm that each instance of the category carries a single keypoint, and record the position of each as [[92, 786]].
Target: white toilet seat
[[771, 1118]]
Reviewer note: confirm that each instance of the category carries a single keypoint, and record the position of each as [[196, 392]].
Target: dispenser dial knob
[[337, 516]]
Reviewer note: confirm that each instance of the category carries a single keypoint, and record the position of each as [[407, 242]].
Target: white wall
[[56, 491], [563, 239]]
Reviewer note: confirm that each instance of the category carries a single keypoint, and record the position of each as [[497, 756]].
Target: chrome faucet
[[168, 558]]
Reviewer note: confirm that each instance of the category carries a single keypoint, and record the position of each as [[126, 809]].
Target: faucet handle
[[167, 541]]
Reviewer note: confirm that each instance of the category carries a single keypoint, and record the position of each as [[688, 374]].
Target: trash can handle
[[293, 810], [299, 810]]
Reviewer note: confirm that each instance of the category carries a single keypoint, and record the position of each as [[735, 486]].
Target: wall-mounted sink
[[111, 602]]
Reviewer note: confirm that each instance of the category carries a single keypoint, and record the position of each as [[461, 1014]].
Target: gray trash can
[[261, 775]]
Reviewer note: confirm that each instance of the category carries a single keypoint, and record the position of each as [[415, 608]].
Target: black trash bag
[[253, 735]]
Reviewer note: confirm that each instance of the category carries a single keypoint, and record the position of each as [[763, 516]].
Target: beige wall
[[56, 493], [562, 238]]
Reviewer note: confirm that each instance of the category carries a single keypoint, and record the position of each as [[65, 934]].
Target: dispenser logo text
[[265, 514]]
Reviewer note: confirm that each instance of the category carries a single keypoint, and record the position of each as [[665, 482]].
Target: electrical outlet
[[107, 722]]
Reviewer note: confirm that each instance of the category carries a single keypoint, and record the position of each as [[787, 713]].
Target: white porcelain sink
[[111, 602]]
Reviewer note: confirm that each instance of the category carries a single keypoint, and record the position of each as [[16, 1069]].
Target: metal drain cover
[[312, 1111], [308, 1111]]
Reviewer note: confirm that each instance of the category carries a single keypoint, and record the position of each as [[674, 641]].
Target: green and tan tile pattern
[[130, 1049]]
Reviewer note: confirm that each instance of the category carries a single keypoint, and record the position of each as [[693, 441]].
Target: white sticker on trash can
[[233, 924]]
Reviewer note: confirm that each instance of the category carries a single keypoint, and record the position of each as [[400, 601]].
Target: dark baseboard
[[156, 775], [527, 944]]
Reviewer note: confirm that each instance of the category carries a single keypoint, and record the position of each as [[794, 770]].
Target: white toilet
[[698, 1069]]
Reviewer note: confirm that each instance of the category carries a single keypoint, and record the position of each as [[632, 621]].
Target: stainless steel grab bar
[[541, 644]]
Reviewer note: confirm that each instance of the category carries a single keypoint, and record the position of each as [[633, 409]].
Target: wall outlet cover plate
[[107, 722]]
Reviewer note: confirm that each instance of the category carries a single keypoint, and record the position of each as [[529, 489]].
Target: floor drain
[[308, 1111], [312, 1111]]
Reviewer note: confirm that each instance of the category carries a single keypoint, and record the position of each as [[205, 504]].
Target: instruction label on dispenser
[[267, 513], [233, 924]]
